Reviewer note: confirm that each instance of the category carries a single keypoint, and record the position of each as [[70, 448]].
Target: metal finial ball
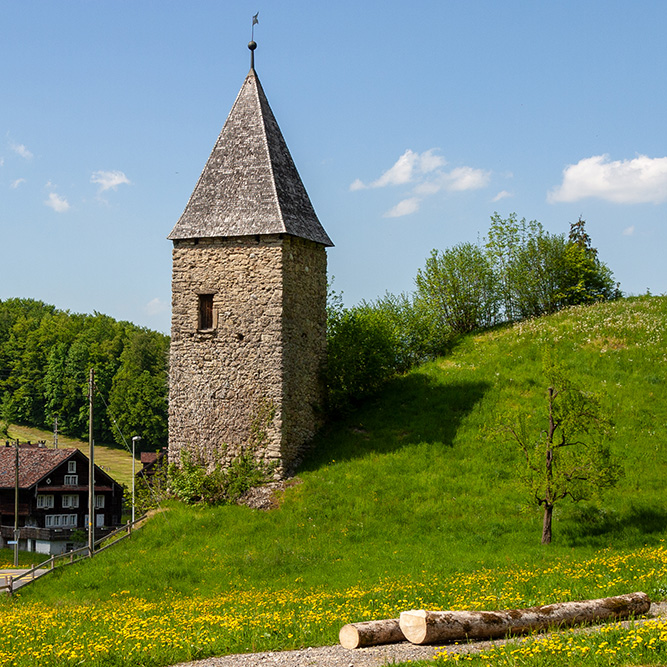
[[252, 45]]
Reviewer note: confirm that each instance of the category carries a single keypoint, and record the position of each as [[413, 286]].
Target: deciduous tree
[[459, 286], [566, 455]]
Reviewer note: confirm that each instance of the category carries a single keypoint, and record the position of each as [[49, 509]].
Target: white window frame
[[71, 480], [70, 500], [45, 501], [99, 502], [60, 521], [71, 466]]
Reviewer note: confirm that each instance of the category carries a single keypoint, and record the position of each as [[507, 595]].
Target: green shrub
[[460, 288], [192, 482], [370, 343], [360, 355], [417, 335]]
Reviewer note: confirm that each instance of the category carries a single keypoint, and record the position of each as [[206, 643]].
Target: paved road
[[17, 573]]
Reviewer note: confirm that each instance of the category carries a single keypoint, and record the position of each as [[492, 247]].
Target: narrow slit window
[[205, 311]]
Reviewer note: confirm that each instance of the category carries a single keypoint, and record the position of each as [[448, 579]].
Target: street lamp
[[16, 508], [134, 442]]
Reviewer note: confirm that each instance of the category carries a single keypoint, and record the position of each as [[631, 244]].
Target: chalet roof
[[250, 184], [34, 464]]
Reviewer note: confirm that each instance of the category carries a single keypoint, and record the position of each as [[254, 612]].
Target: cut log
[[428, 627], [371, 633]]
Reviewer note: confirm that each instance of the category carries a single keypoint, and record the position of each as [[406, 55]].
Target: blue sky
[[410, 123]]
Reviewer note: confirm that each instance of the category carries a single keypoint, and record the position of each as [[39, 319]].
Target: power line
[[122, 435]]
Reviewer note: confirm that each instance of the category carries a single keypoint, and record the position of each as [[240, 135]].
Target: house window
[[99, 502], [71, 501], [44, 502], [71, 480], [71, 466], [205, 311], [60, 520], [99, 520]]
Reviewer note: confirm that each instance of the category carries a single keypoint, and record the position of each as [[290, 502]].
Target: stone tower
[[248, 298]]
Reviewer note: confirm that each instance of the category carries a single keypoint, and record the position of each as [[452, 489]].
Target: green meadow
[[411, 501]]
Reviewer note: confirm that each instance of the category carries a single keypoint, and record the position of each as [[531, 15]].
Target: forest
[[45, 357]]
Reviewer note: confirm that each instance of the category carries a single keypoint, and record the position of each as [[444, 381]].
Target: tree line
[[45, 357], [517, 271]]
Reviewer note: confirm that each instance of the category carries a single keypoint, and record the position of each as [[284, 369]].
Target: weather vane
[[255, 21], [252, 45]]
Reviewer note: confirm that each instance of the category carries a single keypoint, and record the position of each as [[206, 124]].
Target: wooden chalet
[[53, 498]]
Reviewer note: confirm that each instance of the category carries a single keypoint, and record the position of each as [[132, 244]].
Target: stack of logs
[[428, 627]]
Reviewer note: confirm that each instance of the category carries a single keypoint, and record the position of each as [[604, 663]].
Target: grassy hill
[[414, 500]]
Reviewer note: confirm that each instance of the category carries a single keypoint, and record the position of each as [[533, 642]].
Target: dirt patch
[[610, 343], [269, 496]]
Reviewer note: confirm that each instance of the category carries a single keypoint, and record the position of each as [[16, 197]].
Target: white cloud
[[423, 171], [466, 178], [405, 207], [57, 203], [456, 180], [503, 194], [15, 184], [408, 167], [640, 180], [2, 161], [629, 231], [428, 187], [428, 161], [400, 173], [21, 150], [109, 180], [156, 306]]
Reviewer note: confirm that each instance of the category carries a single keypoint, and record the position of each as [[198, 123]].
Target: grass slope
[[414, 499], [418, 480]]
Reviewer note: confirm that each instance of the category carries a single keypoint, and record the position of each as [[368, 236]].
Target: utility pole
[[135, 439], [55, 433], [91, 467], [16, 508]]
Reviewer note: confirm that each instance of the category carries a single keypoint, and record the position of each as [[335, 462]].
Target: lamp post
[[135, 439], [16, 508]]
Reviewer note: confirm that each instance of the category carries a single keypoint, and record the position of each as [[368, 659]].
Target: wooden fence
[[10, 583]]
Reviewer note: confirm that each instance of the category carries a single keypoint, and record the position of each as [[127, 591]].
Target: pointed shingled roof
[[250, 184]]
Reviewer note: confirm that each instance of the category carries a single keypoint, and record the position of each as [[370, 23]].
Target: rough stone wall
[[266, 345], [304, 343], [220, 377]]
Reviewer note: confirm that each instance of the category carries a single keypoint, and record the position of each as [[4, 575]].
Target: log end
[[349, 636], [414, 626], [370, 633]]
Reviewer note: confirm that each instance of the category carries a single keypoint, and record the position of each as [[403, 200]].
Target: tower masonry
[[248, 333]]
